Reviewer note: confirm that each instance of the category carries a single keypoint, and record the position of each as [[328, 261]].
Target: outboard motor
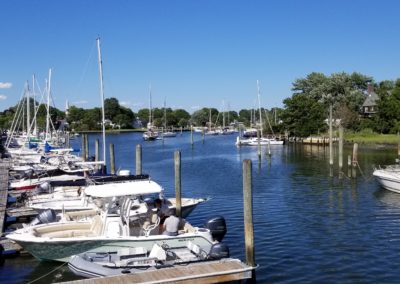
[[218, 251], [217, 227], [45, 217], [44, 187]]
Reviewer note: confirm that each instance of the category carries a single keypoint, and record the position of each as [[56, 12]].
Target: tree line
[[303, 114]]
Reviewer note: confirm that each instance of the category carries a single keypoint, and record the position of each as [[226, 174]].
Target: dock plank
[[197, 273], [4, 167]]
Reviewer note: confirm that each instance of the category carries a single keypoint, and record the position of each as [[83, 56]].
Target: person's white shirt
[[171, 225]]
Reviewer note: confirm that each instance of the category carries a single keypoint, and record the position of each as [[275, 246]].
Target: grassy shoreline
[[371, 138]]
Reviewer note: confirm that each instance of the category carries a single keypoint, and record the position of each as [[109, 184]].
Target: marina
[[294, 199]]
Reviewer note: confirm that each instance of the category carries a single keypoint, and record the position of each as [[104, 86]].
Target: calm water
[[309, 227]]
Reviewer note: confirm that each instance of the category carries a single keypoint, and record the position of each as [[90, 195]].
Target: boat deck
[[202, 272]]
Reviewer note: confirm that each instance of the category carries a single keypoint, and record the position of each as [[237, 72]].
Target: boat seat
[[150, 224], [97, 225]]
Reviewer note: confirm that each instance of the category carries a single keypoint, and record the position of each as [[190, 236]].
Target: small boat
[[255, 141], [389, 177], [138, 259]]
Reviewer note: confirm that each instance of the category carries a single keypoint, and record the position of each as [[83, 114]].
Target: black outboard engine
[[44, 187], [45, 217], [219, 251], [217, 227]]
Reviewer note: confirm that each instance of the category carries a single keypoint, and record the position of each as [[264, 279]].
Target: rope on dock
[[55, 269]]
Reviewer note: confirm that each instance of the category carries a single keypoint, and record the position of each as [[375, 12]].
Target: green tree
[[303, 115]]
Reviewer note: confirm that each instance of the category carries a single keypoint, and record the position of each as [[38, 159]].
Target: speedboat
[[254, 141], [114, 228], [389, 177], [139, 259], [89, 198]]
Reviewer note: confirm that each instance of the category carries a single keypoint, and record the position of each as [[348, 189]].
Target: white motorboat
[[256, 141], [138, 259], [64, 200], [115, 228], [389, 177]]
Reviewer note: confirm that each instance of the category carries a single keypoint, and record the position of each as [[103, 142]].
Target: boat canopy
[[137, 187]]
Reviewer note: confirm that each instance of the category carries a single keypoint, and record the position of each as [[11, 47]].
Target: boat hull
[[388, 179], [59, 249]]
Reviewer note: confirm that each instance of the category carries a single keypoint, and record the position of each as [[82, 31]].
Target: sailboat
[[151, 134], [209, 130], [255, 141], [166, 133]]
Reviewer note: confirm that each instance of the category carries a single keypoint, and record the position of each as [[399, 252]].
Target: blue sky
[[193, 53]]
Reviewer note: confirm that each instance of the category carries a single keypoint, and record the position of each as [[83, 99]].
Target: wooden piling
[[340, 148], [259, 144], [96, 150], [177, 163], [86, 147], [83, 148], [398, 145], [348, 165], [269, 148], [355, 160], [112, 159], [191, 135], [248, 212], [330, 137], [138, 159]]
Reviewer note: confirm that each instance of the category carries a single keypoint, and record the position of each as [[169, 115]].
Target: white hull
[[389, 178]]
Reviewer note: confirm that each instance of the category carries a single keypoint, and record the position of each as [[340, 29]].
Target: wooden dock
[[199, 273]]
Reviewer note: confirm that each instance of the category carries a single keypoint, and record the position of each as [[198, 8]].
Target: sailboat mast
[[28, 124], [259, 107], [34, 104], [165, 114], [150, 124], [48, 107], [102, 99]]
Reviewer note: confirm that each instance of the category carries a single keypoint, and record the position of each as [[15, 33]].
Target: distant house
[[369, 107]]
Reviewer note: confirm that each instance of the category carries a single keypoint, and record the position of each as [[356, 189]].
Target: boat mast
[[28, 124], [102, 99], [259, 108], [34, 105], [165, 114], [150, 124], [48, 107]]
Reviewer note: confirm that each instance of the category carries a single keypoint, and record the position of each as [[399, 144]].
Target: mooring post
[[177, 163], [248, 213], [349, 165], [203, 135], [355, 161], [330, 137], [340, 148], [191, 135], [112, 159], [86, 147], [138, 159], [96, 150], [67, 142], [398, 145], [269, 148], [259, 144], [83, 148]]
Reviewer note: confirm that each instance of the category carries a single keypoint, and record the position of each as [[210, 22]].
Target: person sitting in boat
[[171, 225], [162, 211]]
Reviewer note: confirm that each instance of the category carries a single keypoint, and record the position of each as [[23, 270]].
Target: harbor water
[[310, 225]]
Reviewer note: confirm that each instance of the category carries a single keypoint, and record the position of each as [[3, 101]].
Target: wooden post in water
[[177, 163], [248, 213], [83, 148], [259, 144], [355, 161], [67, 142], [348, 165], [398, 145], [87, 146], [330, 137], [203, 134], [340, 150], [138, 159], [269, 148], [191, 135], [112, 159], [96, 150]]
